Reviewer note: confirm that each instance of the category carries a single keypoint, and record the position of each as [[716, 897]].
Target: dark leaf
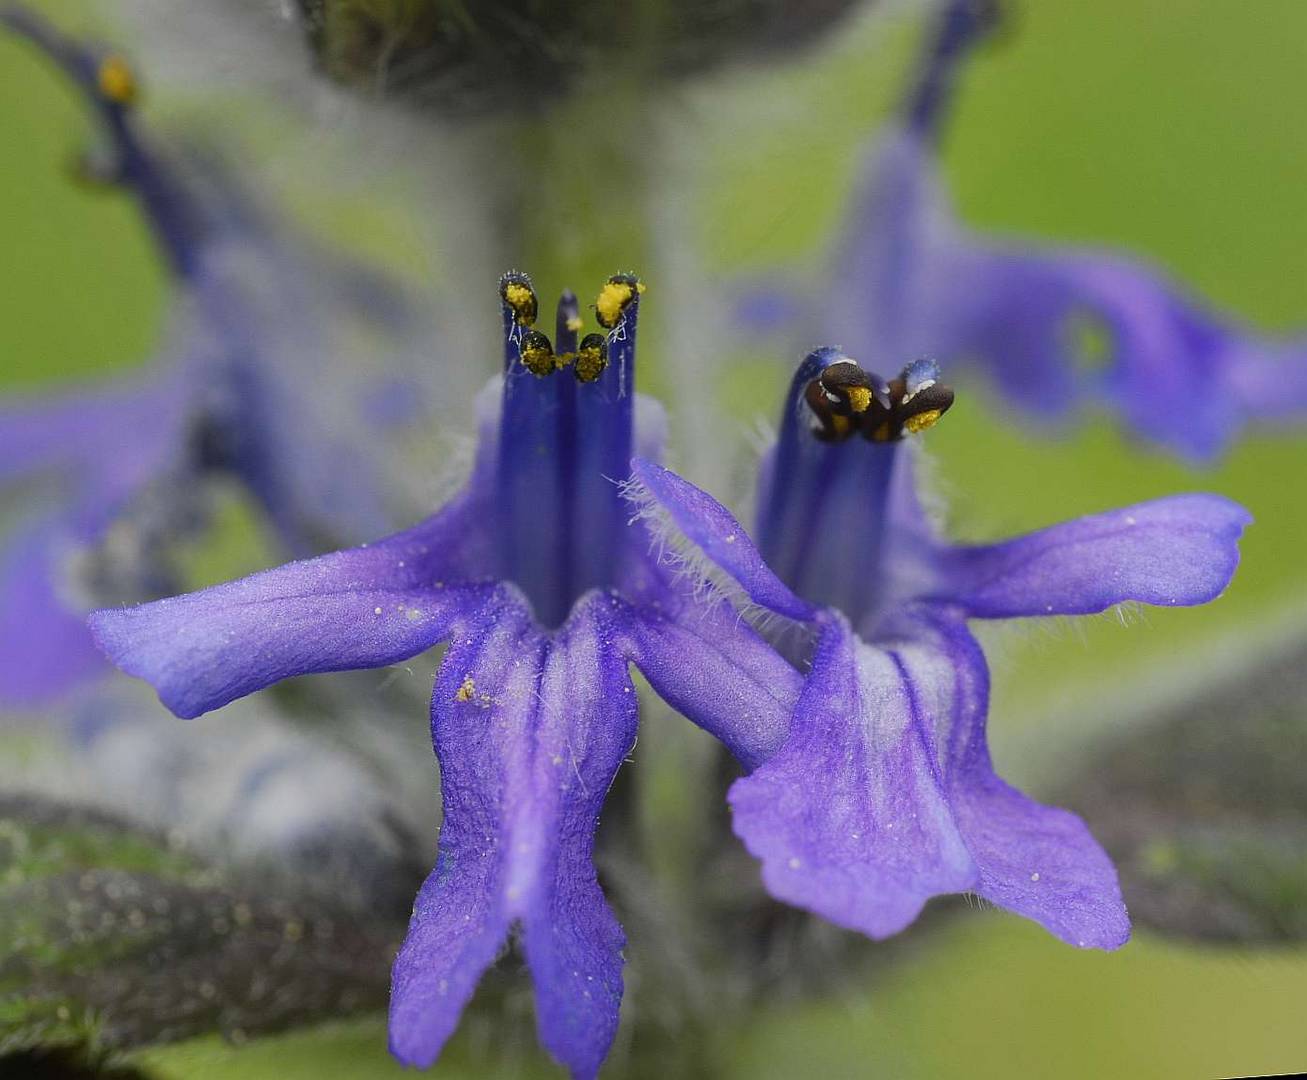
[[114, 938], [1205, 808]]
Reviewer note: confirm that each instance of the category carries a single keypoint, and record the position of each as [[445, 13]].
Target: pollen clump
[[117, 81], [922, 421], [537, 354], [522, 299], [859, 398], [616, 294], [467, 691], [612, 298], [575, 323], [591, 358]]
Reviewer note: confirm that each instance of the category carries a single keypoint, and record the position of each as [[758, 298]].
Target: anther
[[844, 399], [537, 354], [591, 358], [841, 393], [516, 292], [117, 81], [919, 398], [849, 389], [615, 297]]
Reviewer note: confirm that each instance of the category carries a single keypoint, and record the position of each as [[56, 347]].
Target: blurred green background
[[1174, 130]]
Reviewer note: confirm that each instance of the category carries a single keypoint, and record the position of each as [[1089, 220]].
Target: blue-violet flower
[[544, 593], [1058, 329], [883, 793]]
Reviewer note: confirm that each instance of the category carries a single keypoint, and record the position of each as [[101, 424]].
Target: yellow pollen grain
[[467, 691], [859, 398], [612, 298], [575, 323], [117, 82], [841, 424], [881, 434], [922, 421]]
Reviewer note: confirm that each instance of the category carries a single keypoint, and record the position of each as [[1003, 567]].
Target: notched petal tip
[[517, 837]]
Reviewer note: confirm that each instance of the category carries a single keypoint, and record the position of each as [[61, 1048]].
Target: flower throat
[[825, 493], [565, 438]]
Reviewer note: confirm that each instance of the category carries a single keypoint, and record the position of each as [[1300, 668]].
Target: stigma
[[844, 400]]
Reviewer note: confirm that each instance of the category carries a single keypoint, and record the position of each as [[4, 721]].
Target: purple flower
[[883, 793], [544, 592], [1058, 329], [226, 397]]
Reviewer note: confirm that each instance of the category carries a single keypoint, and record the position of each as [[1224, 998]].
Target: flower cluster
[[870, 787], [828, 648]]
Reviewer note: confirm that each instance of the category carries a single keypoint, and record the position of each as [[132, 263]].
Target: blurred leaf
[[114, 938], [995, 996], [1205, 809]]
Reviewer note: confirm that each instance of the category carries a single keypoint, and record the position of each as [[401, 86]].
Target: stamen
[[591, 358], [562, 436], [516, 291], [921, 398], [117, 81], [537, 354], [844, 399], [840, 393], [614, 297]]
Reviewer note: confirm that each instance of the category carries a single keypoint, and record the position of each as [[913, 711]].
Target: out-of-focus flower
[[239, 390], [545, 593], [883, 794], [518, 54], [1058, 329]]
